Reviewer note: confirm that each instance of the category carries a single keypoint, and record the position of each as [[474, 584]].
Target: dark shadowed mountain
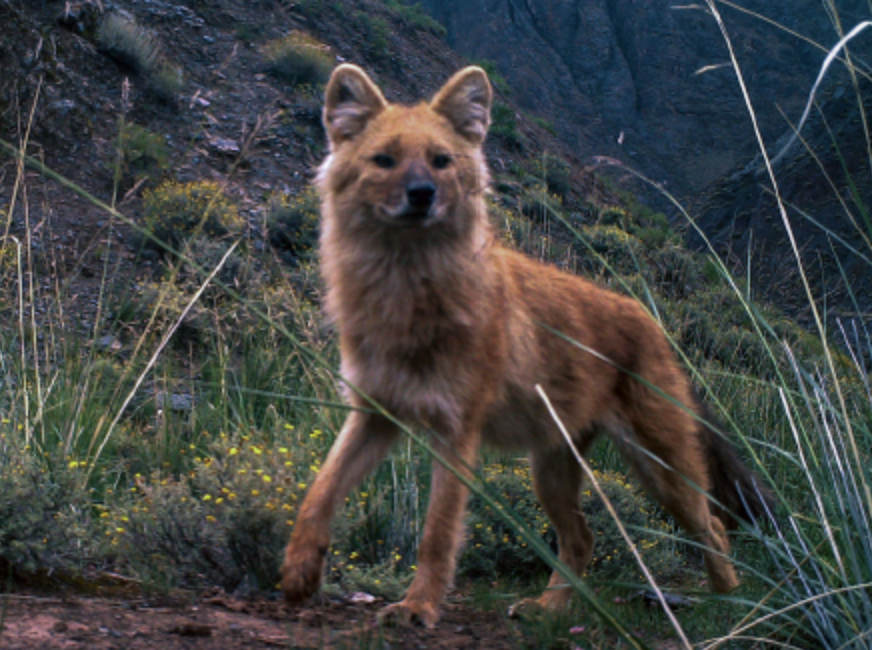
[[649, 82]]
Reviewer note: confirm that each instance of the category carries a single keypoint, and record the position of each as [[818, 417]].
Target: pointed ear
[[466, 101], [350, 101]]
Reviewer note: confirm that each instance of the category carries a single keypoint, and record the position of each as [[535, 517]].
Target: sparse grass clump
[[554, 172], [292, 224], [299, 59], [130, 44], [376, 34], [505, 126], [174, 212], [139, 50], [415, 16], [142, 153]]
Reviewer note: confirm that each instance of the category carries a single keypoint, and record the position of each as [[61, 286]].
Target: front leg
[[443, 530], [361, 445]]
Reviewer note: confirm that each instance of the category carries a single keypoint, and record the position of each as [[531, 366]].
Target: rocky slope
[[617, 78], [228, 121], [649, 83]]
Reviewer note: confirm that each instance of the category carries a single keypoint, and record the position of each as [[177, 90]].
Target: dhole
[[444, 327]]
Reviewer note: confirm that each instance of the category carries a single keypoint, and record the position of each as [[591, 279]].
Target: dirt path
[[47, 623]]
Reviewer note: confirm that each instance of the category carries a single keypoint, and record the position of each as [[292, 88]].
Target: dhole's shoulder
[[544, 287], [530, 275]]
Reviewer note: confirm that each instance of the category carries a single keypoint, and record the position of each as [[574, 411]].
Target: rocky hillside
[[636, 80], [200, 102]]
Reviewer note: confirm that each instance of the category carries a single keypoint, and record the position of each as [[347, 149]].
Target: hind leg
[[557, 479], [678, 479]]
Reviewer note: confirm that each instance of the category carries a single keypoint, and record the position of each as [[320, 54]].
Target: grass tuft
[[299, 59], [139, 50]]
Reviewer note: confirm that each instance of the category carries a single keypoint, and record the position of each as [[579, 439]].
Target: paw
[[410, 612], [527, 608], [553, 600], [725, 581], [301, 573]]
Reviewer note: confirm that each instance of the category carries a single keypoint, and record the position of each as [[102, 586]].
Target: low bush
[[128, 43], [376, 33], [42, 517], [413, 15], [505, 127], [292, 224], [174, 212], [299, 59], [553, 172], [621, 252], [494, 548], [141, 153], [139, 50]]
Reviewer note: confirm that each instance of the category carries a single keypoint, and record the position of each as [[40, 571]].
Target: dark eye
[[384, 161], [441, 161]]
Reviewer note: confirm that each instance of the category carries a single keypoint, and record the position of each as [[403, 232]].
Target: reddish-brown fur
[[444, 327]]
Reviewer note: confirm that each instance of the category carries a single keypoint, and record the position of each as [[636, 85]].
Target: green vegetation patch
[[494, 548], [140, 50], [505, 127], [292, 224], [299, 59], [174, 212], [413, 15], [142, 154]]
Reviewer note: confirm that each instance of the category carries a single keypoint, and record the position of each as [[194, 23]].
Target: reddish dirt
[[46, 623]]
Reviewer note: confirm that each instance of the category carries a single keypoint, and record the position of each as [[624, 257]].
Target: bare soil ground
[[38, 622]]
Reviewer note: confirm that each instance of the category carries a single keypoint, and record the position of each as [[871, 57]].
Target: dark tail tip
[[737, 491]]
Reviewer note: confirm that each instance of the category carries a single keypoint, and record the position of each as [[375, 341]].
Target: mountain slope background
[[650, 83]]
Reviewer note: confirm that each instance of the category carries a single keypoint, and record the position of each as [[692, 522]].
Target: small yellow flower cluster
[[174, 211]]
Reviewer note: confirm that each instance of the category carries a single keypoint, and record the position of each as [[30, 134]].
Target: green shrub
[[622, 251], [675, 272], [239, 271], [614, 216], [167, 80], [646, 524], [376, 33], [142, 154], [554, 172], [494, 548], [292, 224], [299, 59], [248, 32], [226, 521], [505, 127], [537, 204], [413, 15], [541, 122], [166, 299], [138, 49], [166, 537], [173, 212], [42, 518], [128, 43]]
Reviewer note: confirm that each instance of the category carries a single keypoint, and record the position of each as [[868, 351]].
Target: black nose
[[420, 194]]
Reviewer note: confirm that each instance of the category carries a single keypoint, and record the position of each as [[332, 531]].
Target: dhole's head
[[410, 169]]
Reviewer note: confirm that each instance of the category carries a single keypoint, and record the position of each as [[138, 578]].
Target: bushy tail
[[738, 490]]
